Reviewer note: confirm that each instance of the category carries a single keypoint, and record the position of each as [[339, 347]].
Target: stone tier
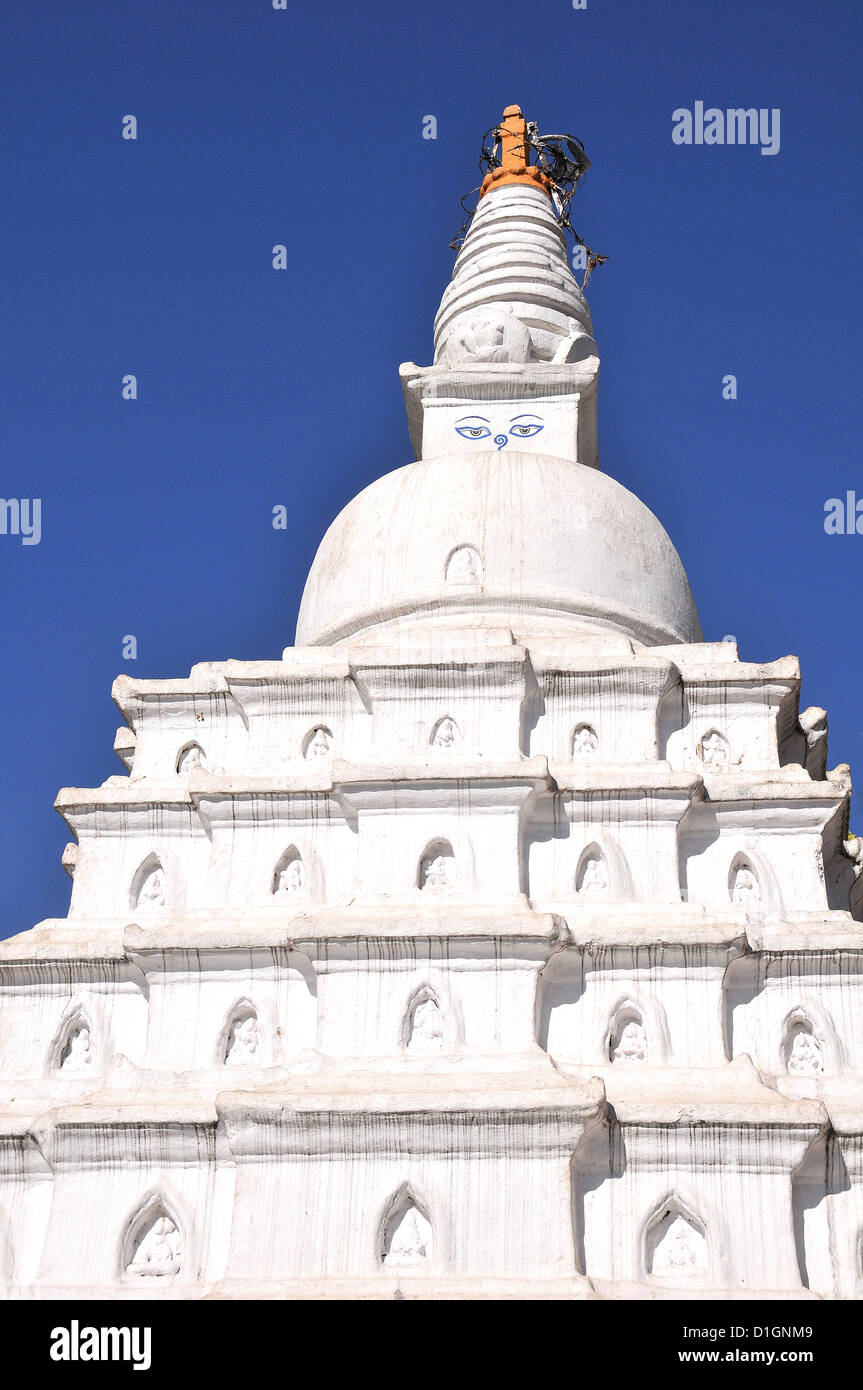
[[341, 986], [556, 835], [522, 1183], [386, 702]]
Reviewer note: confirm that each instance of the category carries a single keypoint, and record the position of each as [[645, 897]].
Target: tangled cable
[[563, 161]]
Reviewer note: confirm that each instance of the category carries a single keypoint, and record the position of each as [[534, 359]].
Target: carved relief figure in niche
[[744, 884], [445, 734], [152, 894], [290, 877], [464, 566], [714, 752], [158, 1252], [803, 1050], [425, 1029], [76, 1053], [408, 1237], [437, 867], [244, 1040], [192, 759], [679, 1249], [628, 1040], [584, 741], [489, 335], [592, 876], [319, 743]]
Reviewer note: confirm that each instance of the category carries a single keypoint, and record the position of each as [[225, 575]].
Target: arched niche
[[436, 868], [73, 1051], [714, 751], [152, 1250], [191, 758], [318, 743], [601, 870], [809, 1045], [423, 1028], [750, 882], [149, 887], [676, 1248], [744, 884], [637, 1030], [802, 1051], [627, 1037], [240, 1041], [583, 742], [463, 567], [78, 1047], [290, 879], [445, 734], [592, 874], [406, 1238]]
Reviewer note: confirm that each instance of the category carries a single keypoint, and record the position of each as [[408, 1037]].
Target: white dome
[[523, 540]]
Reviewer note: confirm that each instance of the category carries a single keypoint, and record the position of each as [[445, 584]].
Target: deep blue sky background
[[303, 127]]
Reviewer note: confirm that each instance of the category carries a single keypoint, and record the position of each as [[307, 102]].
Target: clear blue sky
[[303, 127]]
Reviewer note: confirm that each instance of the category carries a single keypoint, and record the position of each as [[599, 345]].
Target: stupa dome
[[510, 538], [525, 535]]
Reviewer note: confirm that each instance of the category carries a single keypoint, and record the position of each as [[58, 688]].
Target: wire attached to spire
[[562, 162]]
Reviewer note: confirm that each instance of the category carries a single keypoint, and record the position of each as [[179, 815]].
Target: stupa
[[502, 940]]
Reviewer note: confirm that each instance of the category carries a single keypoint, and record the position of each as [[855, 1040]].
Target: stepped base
[[387, 1287]]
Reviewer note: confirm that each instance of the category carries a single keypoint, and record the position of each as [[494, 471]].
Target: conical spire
[[513, 296]]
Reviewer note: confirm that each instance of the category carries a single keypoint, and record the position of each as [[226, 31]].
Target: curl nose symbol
[[500, 440]]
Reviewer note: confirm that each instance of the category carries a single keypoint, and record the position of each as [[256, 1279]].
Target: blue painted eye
[[473, 431], [525, 431]]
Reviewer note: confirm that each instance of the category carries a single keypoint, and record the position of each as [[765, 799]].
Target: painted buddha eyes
[[520, 427], [473, 431]]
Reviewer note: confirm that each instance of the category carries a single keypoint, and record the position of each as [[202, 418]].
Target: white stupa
[[500, 940]]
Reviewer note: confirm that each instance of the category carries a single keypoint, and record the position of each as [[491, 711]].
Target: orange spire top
[[515, 156], [513, 140]]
